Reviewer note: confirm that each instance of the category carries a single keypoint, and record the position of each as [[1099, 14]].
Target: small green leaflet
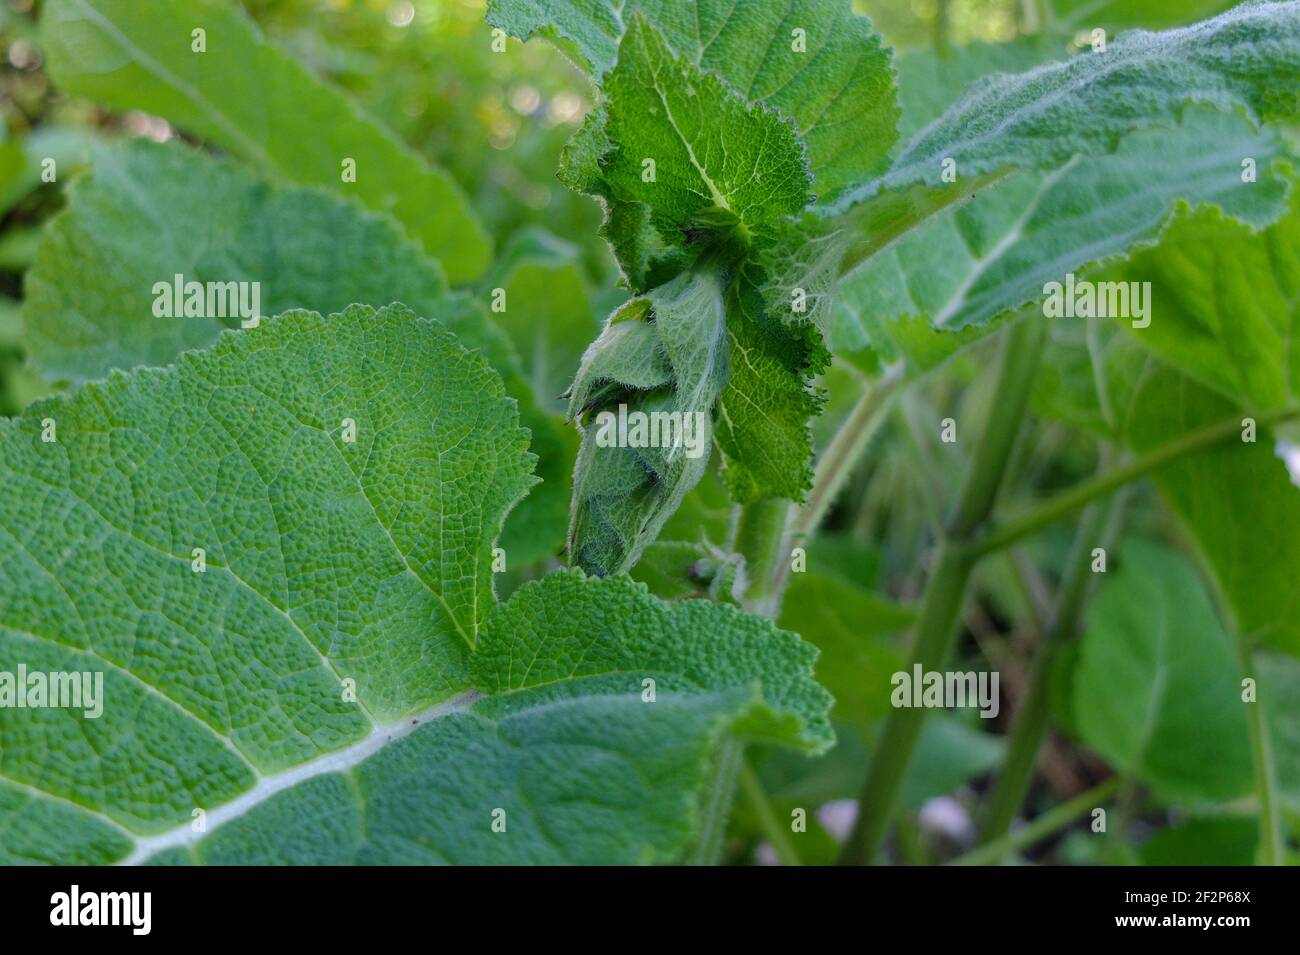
[[245, 95], [763, 425], [814, 61], [682, 155], [327, 560], [1157, 686]]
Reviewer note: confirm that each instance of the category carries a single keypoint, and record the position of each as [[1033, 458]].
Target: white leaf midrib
[[340, 760]]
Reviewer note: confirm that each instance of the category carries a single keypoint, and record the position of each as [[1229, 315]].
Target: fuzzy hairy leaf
[[247, 96], [721, 164], [664, 353], [838, 89], [930, 81], [131, 223], [328, 561], [1247, 59], [584, 769], [763, 419], [996, 254], [324, 560], [725, 170]]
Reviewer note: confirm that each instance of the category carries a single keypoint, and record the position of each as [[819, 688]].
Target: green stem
[[760, 537], [1033, 719], [715, 803], [911, 847], [1049, 823], [1272, 846], [777, 834], [758, 532], [941, 17], [835, 465], [1067, 502], [936, 627]]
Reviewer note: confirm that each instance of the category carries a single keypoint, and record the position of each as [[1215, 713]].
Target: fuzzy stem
[[715, 803], [1067, 502], [760, 539], [776, 833], [837, 462], [758, 535], [941, 605], [1272, 846]]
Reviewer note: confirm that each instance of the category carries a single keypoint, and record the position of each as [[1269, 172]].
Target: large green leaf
[[535, 529], [1247, 59], [1237, 500], [585, 769], [1249, 540], [996, 253], [1225, 304], [133, 221], [838, 89], [329, 561], [247, 96], [325, 560], [1156, 686]]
